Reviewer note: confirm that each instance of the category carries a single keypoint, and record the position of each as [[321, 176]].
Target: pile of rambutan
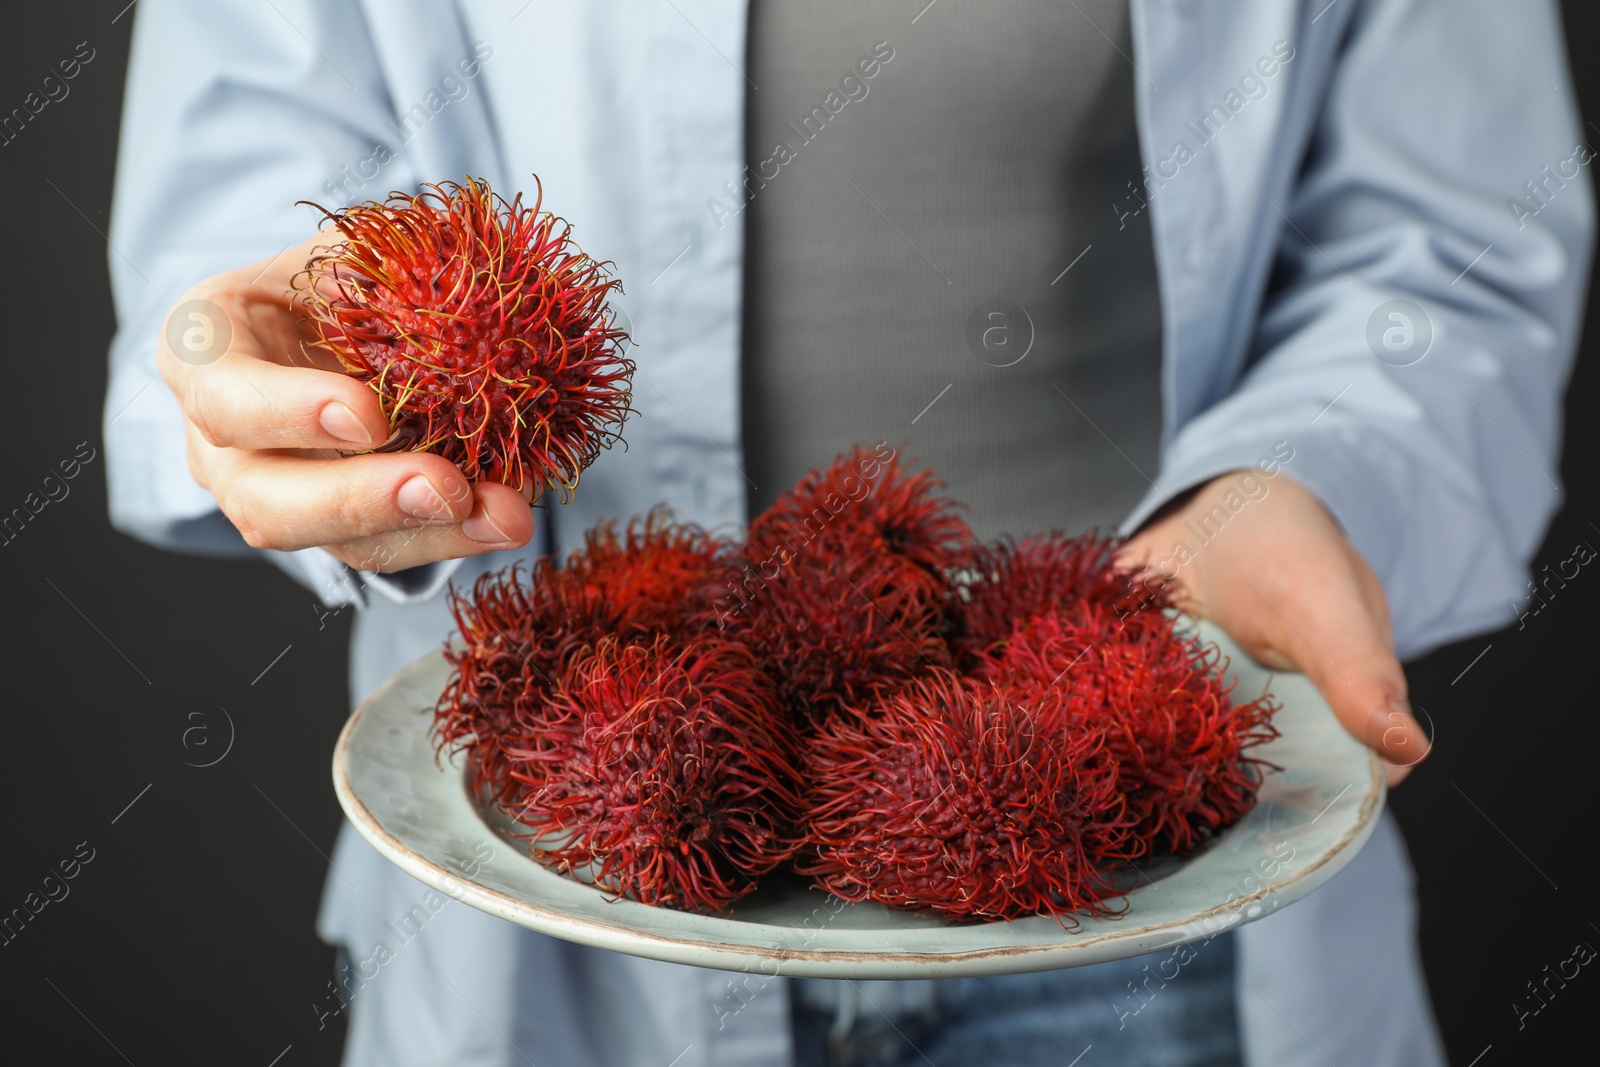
[[857, 689]]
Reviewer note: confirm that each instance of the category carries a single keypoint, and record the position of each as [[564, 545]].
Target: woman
[[1099, 264]]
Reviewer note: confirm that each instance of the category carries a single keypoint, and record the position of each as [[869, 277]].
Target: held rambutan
[[977, 802], [481, 326], [665, 774], [865, 503], [1007, 581], [1181, 741], [839, 631]]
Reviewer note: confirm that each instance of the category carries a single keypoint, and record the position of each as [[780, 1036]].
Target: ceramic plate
[[1311, 820]]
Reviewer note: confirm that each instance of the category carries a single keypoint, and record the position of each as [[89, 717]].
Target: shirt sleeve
[[234, 111], [1416, 336]]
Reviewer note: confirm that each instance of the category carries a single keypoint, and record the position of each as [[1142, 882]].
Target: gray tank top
[[944, 250]]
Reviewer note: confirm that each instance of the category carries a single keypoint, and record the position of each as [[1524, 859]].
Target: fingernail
[[340, 422], [419, 498], [482, 529]]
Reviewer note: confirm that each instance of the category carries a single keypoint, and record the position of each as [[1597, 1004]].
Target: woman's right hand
[[270, 421]]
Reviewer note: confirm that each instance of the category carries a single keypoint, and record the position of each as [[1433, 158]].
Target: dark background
[[188, 936]]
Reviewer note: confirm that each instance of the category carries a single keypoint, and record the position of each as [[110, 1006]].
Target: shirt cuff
[[1349, 480], [413, 585], [336, 583]]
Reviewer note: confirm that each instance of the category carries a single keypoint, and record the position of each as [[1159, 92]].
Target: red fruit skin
[[1180, 739], [481, 326], [838, 631], [663, 576], [515, 637], [1007, 581], [866, 505], [974, 801], [665, 771], [514, 641], [844, 582]]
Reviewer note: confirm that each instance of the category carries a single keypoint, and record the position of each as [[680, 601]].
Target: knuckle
[[242, 514], [198, 329], [224, 291], [378, 555], [352, 514], [200, 406]]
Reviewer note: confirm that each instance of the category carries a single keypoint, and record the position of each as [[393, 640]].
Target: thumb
[[1347, 655], [1372, 704]]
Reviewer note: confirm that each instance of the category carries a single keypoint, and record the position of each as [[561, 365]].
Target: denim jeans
[[1172, 1008]]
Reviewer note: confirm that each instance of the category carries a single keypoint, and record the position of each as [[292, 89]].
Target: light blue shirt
[[1356, 153]]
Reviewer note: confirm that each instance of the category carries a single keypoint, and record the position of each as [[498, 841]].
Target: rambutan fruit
[[840, 631], [516, 636], [1180, 739], [661, 575], [844, 579], [1007, 581], [665, 774], [974, 801], [515, 639], [865, 504], [482, 327]]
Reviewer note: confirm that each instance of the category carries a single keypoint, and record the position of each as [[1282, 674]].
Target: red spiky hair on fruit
[[516, 637], [515, 640], [481, 326], [866, 503], [662, 575], [1181, 741], [839, 631], [665, 774], [976, 801], [844, 582], [1008, 581]]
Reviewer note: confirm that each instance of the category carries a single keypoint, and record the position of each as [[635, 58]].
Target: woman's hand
[[1278, 574], [268, 418]]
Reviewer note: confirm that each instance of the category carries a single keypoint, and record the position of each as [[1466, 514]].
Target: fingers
[[289, 502], [1330, 631], [1364, 684], [265, 420], [234, 353], [247, 403], [237, 396], [500, 519]]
